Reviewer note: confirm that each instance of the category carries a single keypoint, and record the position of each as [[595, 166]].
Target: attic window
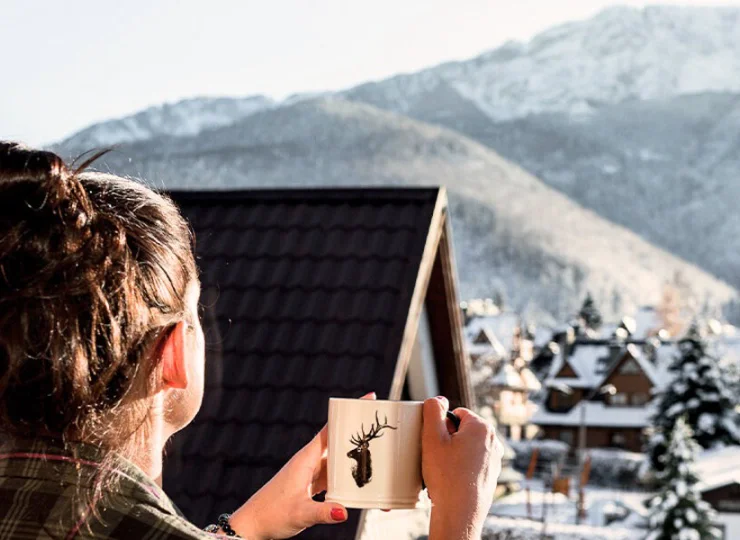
[[630, 367], [482, 339]]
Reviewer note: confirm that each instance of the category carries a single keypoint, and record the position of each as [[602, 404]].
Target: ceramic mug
[[374, 455]]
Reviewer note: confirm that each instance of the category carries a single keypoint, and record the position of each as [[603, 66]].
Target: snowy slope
[[187, 117], [620, 54], [512, 232]]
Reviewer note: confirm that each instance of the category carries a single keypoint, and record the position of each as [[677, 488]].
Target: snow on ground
[[601, 503], [523, 529]]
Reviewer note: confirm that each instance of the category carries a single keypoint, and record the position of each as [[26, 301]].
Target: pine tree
[[678, 512], [499, 298], [590, 314], [699, 391]]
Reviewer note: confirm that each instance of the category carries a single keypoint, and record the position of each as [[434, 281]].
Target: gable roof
[[647, 367], [584, 359], [718, 467], [590, 362], [308, 294]]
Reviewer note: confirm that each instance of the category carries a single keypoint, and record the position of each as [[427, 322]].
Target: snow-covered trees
[[678, 512], [700, 393], [589, 314]]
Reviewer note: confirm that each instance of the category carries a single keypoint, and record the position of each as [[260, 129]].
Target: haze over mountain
[[511, 231], [634, 114]]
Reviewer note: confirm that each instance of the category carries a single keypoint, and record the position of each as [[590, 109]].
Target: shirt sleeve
[[145, 522]]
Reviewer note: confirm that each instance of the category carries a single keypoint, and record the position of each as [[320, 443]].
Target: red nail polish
[[337, 514]]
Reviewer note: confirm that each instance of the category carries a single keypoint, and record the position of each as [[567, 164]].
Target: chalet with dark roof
[[575, 390]]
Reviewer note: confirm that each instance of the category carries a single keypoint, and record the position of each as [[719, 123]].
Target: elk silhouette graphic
[[362, 470]]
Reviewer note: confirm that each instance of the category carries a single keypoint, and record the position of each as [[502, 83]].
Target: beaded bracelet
[[223, 525]]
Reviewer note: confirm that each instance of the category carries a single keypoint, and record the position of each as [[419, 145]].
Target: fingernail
[[442, 400], [370, 394], [338, 514]]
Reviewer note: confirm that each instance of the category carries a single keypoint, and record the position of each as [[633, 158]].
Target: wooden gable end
[[566, 371], [627, 374]]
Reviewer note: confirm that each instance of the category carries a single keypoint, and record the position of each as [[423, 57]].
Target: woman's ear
[[174, 361]]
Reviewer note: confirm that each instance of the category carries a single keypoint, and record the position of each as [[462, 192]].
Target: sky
[[69, 64]]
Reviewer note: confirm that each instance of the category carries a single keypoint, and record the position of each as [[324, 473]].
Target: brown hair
[[93, 270]]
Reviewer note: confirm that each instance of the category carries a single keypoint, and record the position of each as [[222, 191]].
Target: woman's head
[[98, 302]]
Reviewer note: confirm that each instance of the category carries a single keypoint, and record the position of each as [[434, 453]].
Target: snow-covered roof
[[542, 336], [502, 326], [584, 361], [587, 363], [598, 414], [507, 376], [530, 380], [475, 328], [718, 467], [572, 382], [647, 321]]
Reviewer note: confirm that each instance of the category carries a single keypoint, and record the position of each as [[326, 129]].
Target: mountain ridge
[[555, 71], [512, 232]]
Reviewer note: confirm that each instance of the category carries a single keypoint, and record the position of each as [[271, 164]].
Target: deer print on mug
[[362, 470]]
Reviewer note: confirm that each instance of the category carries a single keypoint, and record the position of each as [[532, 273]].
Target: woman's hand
[[284, 506], [460, 470]]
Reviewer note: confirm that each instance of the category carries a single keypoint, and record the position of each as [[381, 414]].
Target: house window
[[619, 400], [630, 367], [617, 439], [561, 402], [640, 398], [566, 436]]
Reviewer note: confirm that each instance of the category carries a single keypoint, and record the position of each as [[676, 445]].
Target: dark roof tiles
[[306, 295]]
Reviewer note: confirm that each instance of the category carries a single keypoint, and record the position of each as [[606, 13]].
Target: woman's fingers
[[435, 417], [328, 513]]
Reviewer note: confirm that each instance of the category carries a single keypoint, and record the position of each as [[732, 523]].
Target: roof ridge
[[324, 193], [312, 227], [313, 257]]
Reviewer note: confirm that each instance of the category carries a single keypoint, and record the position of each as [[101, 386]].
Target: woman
[[102, 361]]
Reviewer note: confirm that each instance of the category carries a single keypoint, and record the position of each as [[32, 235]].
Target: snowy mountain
[[187, 117], [668, 169], [511, 231], [620, 54], [633, 114]]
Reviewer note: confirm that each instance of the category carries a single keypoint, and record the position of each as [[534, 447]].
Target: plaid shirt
[[40, 485]]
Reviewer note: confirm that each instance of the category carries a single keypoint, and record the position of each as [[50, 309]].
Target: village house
[[511, 387], [719, 484], [605, 385], [501, 374]]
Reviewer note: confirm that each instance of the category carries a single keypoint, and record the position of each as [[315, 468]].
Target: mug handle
[[452, 417]]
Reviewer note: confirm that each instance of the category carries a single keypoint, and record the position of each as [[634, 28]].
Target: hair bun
[[19, 162], [62, 191]]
